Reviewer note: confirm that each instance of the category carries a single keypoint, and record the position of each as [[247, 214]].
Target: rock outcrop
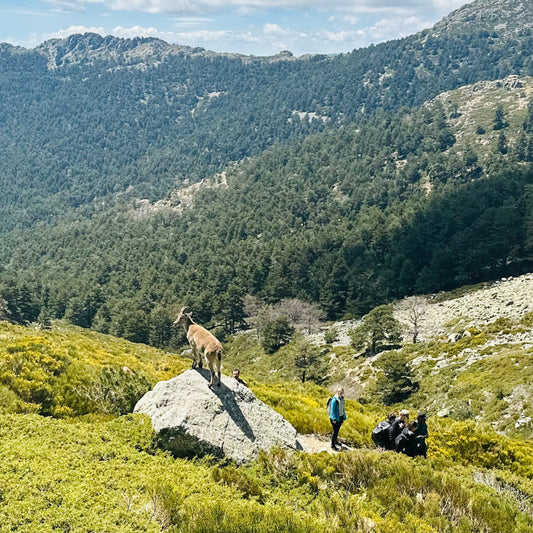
[[227, 421], [509, 298]]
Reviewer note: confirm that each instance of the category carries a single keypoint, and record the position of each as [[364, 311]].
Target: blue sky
[[258, 27]]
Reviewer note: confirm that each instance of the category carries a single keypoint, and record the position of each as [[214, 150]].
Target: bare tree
[[413, 311], [252, 305], [301, 315], [258, 314]]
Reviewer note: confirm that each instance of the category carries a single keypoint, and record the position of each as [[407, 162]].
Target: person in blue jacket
[[337, 415]]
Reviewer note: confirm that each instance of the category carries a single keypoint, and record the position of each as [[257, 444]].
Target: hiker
[[237, 376], [406, 440], [397, 427], [421, 435], [380, 434], [337, 415]]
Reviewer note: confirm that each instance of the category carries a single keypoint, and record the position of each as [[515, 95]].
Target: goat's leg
[[199, 353], [212, 370], [195, 358], [219, 358]]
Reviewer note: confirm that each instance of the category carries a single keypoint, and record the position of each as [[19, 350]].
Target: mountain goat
[[202, 343]]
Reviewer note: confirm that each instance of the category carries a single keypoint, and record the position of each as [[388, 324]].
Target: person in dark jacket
[[337, 415], [421, 435], [380, 434], [237, 376], [398, 426], [406, 440]]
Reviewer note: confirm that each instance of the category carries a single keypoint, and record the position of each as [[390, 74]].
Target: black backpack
[[380, 434]]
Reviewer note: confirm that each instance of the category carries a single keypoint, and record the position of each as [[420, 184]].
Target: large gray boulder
[[227, 421]]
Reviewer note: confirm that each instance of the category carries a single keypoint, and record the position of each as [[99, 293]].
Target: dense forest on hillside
[[340, 190], [343, 219], [91, 128]]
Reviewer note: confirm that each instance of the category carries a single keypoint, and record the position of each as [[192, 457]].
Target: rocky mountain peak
[[504, 18], [89, 47]]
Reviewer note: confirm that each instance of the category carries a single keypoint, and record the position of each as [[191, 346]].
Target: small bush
[[330, 335], [239, 479]]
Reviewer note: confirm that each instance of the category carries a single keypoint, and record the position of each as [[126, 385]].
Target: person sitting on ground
[[380, 434], [237, 376], [337, 415], [421, 435], [388, 444], [397, 427], [406, 440]]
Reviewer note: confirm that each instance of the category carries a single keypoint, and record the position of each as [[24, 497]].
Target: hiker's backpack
[[328, 404], [380, 434]]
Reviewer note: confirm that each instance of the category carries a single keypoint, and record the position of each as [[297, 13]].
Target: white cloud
[[351, 19], [61, 6], [333, 26], [202, 35], [191, 22], [275, 29], [243, 6], [139, 31], [338, 37], [400, 27]]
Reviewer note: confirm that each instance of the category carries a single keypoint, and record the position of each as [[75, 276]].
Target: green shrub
[[239, 479], [396, 382], [276, 333], [330, 335]]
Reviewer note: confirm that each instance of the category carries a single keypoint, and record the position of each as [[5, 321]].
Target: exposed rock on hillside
[[510, 298], [227, 421], [497, 16], [480, 364], [180, 199]]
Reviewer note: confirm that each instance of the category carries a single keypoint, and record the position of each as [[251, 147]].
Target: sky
[[251, 27]]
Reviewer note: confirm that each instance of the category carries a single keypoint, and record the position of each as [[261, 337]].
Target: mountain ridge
[[498, 16]]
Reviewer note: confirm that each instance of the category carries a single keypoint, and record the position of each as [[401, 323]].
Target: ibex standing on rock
[[202, 343]]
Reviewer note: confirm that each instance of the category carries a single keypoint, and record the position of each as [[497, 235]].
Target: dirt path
[[317, 443]]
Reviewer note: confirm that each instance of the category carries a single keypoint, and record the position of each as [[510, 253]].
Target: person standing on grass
[[421, 435], [337, 415]]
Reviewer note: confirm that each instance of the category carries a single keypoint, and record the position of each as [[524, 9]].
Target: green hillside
[[363, 220], [68, 371], [104, 473], [421, 200]]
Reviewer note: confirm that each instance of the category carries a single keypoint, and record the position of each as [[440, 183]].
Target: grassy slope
[[59, 475], [92, 348], [484, 376], [104, 474], [475, 106]]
